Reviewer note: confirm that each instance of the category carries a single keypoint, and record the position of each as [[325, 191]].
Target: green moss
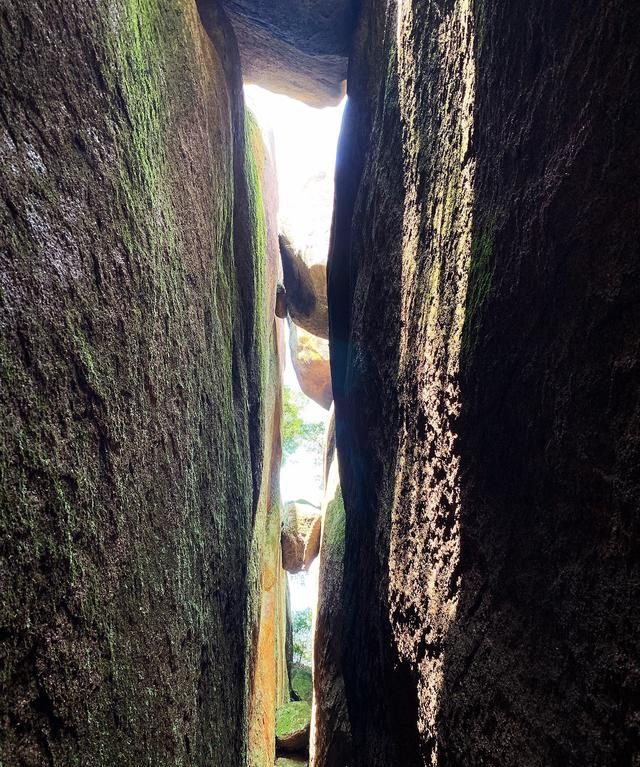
[[292, 718], [126, 470], [333, 527], [254, 167], [479, 286], [391, 78], [481, 24], [302, 683]]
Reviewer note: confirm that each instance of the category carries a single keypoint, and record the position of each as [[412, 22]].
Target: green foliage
[[301, 624], [295, 431]]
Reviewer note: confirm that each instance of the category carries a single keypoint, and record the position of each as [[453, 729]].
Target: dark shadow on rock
[[541, 660], [364, 285]]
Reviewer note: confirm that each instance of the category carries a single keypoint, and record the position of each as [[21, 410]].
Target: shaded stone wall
[[330, 741], [134, 348], [484, 314]]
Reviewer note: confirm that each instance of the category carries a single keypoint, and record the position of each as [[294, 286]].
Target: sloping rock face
[[134, 346], [296, 47], [330, 728], [269, 682], [484, 312]]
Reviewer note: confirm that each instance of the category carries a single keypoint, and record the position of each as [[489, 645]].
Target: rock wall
[[484, 312], [268, 678], [135, 353], [330, 729]]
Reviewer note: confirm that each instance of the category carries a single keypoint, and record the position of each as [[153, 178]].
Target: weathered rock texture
[[135, 350], [484, 313], [284, 761], [306, 290], [302, 682], [330, 740], [292, 727], [310, 358], [269, 682], [297, 47], [300, 536]]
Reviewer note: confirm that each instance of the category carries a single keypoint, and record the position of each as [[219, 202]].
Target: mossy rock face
[[302, 682], [293, 721], [131, 391], [285, 761]]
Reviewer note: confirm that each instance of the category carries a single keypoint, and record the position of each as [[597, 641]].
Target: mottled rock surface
[[268, 677], [306, 289], [300, 536], [284, 761], [134, 348], [484, 313], [296, 47], [330, 739], [301, 682], [310, 358], [292, 726]]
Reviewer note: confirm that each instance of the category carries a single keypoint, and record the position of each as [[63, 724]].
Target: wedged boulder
[[312, 541], [300, 536], [302, 682], [306, 290], [310, 357], [296, 47], [292, 543], [293, 721]]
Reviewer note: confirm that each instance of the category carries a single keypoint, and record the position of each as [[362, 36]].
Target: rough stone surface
[[310, 357], [306, 289], [269, 682], [330, 739], [484, 313], [297, 47], [300, 536], [292, 726], [301, 682], [284, 761], [133, 353]]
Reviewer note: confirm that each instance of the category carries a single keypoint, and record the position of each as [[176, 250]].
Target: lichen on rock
[[293, 721]]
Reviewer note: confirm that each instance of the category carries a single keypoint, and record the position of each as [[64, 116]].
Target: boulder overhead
[[295, 47]]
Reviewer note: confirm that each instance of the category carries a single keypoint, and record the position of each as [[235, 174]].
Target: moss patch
[[126, 471], [479, 286], [302, 682], [292, 718]]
